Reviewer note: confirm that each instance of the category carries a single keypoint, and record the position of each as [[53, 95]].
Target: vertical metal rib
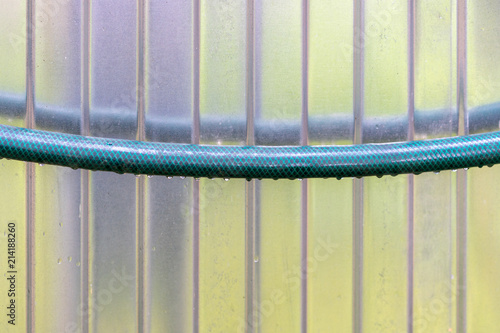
[[304, 141], [85, 175], [141, 227], [250, 73], [463, 119], [251, 256], [30, 170], [358, 105], [195, 138], [257, 234], [250, 186], [85, 98], [305, 72], [141, 73], [411, 69], [463, 129], [30, 63], [411, 178]]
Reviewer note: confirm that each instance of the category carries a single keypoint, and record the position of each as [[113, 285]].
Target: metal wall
[[100, 252]]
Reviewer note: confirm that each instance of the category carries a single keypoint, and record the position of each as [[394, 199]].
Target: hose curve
[[169, 159]]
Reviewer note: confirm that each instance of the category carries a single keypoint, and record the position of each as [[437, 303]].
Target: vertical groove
[[463, 129], [411, 69], [195, 134], [411, 178], [256, 235], [257, 53], [358, 70], [141, 72], [250, 256], [358, 106], [195, 138], [305, 72], [85, 175], [250, 186], [141, 227], [304, 141], [141, 270], [304, 254], [30, 170], [463, 119], [410, 259], [86, 36], [250, 73]]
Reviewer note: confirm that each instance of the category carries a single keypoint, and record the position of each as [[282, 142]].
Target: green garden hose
[[170, 159]]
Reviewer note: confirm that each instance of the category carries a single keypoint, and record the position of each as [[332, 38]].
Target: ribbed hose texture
[[169, 159]]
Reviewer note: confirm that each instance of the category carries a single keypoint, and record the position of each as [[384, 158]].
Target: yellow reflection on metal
[[279, 258], [222, 255]]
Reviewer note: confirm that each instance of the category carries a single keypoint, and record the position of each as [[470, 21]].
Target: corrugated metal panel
[[97, 252]]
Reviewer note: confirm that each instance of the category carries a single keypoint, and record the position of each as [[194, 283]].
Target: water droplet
[[490, 165], [436, 172], [226, 179], [78, 264], [196, 179], [249, 179], [182, 177], [256, 259], [275, 178], [70, 258], [59, 261], [299, 179], [479, 166], [454, 170], [380, 176], [466, 169], [74, 168], [169, 177], [137, 176], [150, 176], [338, 178], [41, 164]]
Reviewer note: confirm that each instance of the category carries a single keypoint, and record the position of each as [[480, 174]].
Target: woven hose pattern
[[151, 158]]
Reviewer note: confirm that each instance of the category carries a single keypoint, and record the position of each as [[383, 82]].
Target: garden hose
[[173, 159]]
